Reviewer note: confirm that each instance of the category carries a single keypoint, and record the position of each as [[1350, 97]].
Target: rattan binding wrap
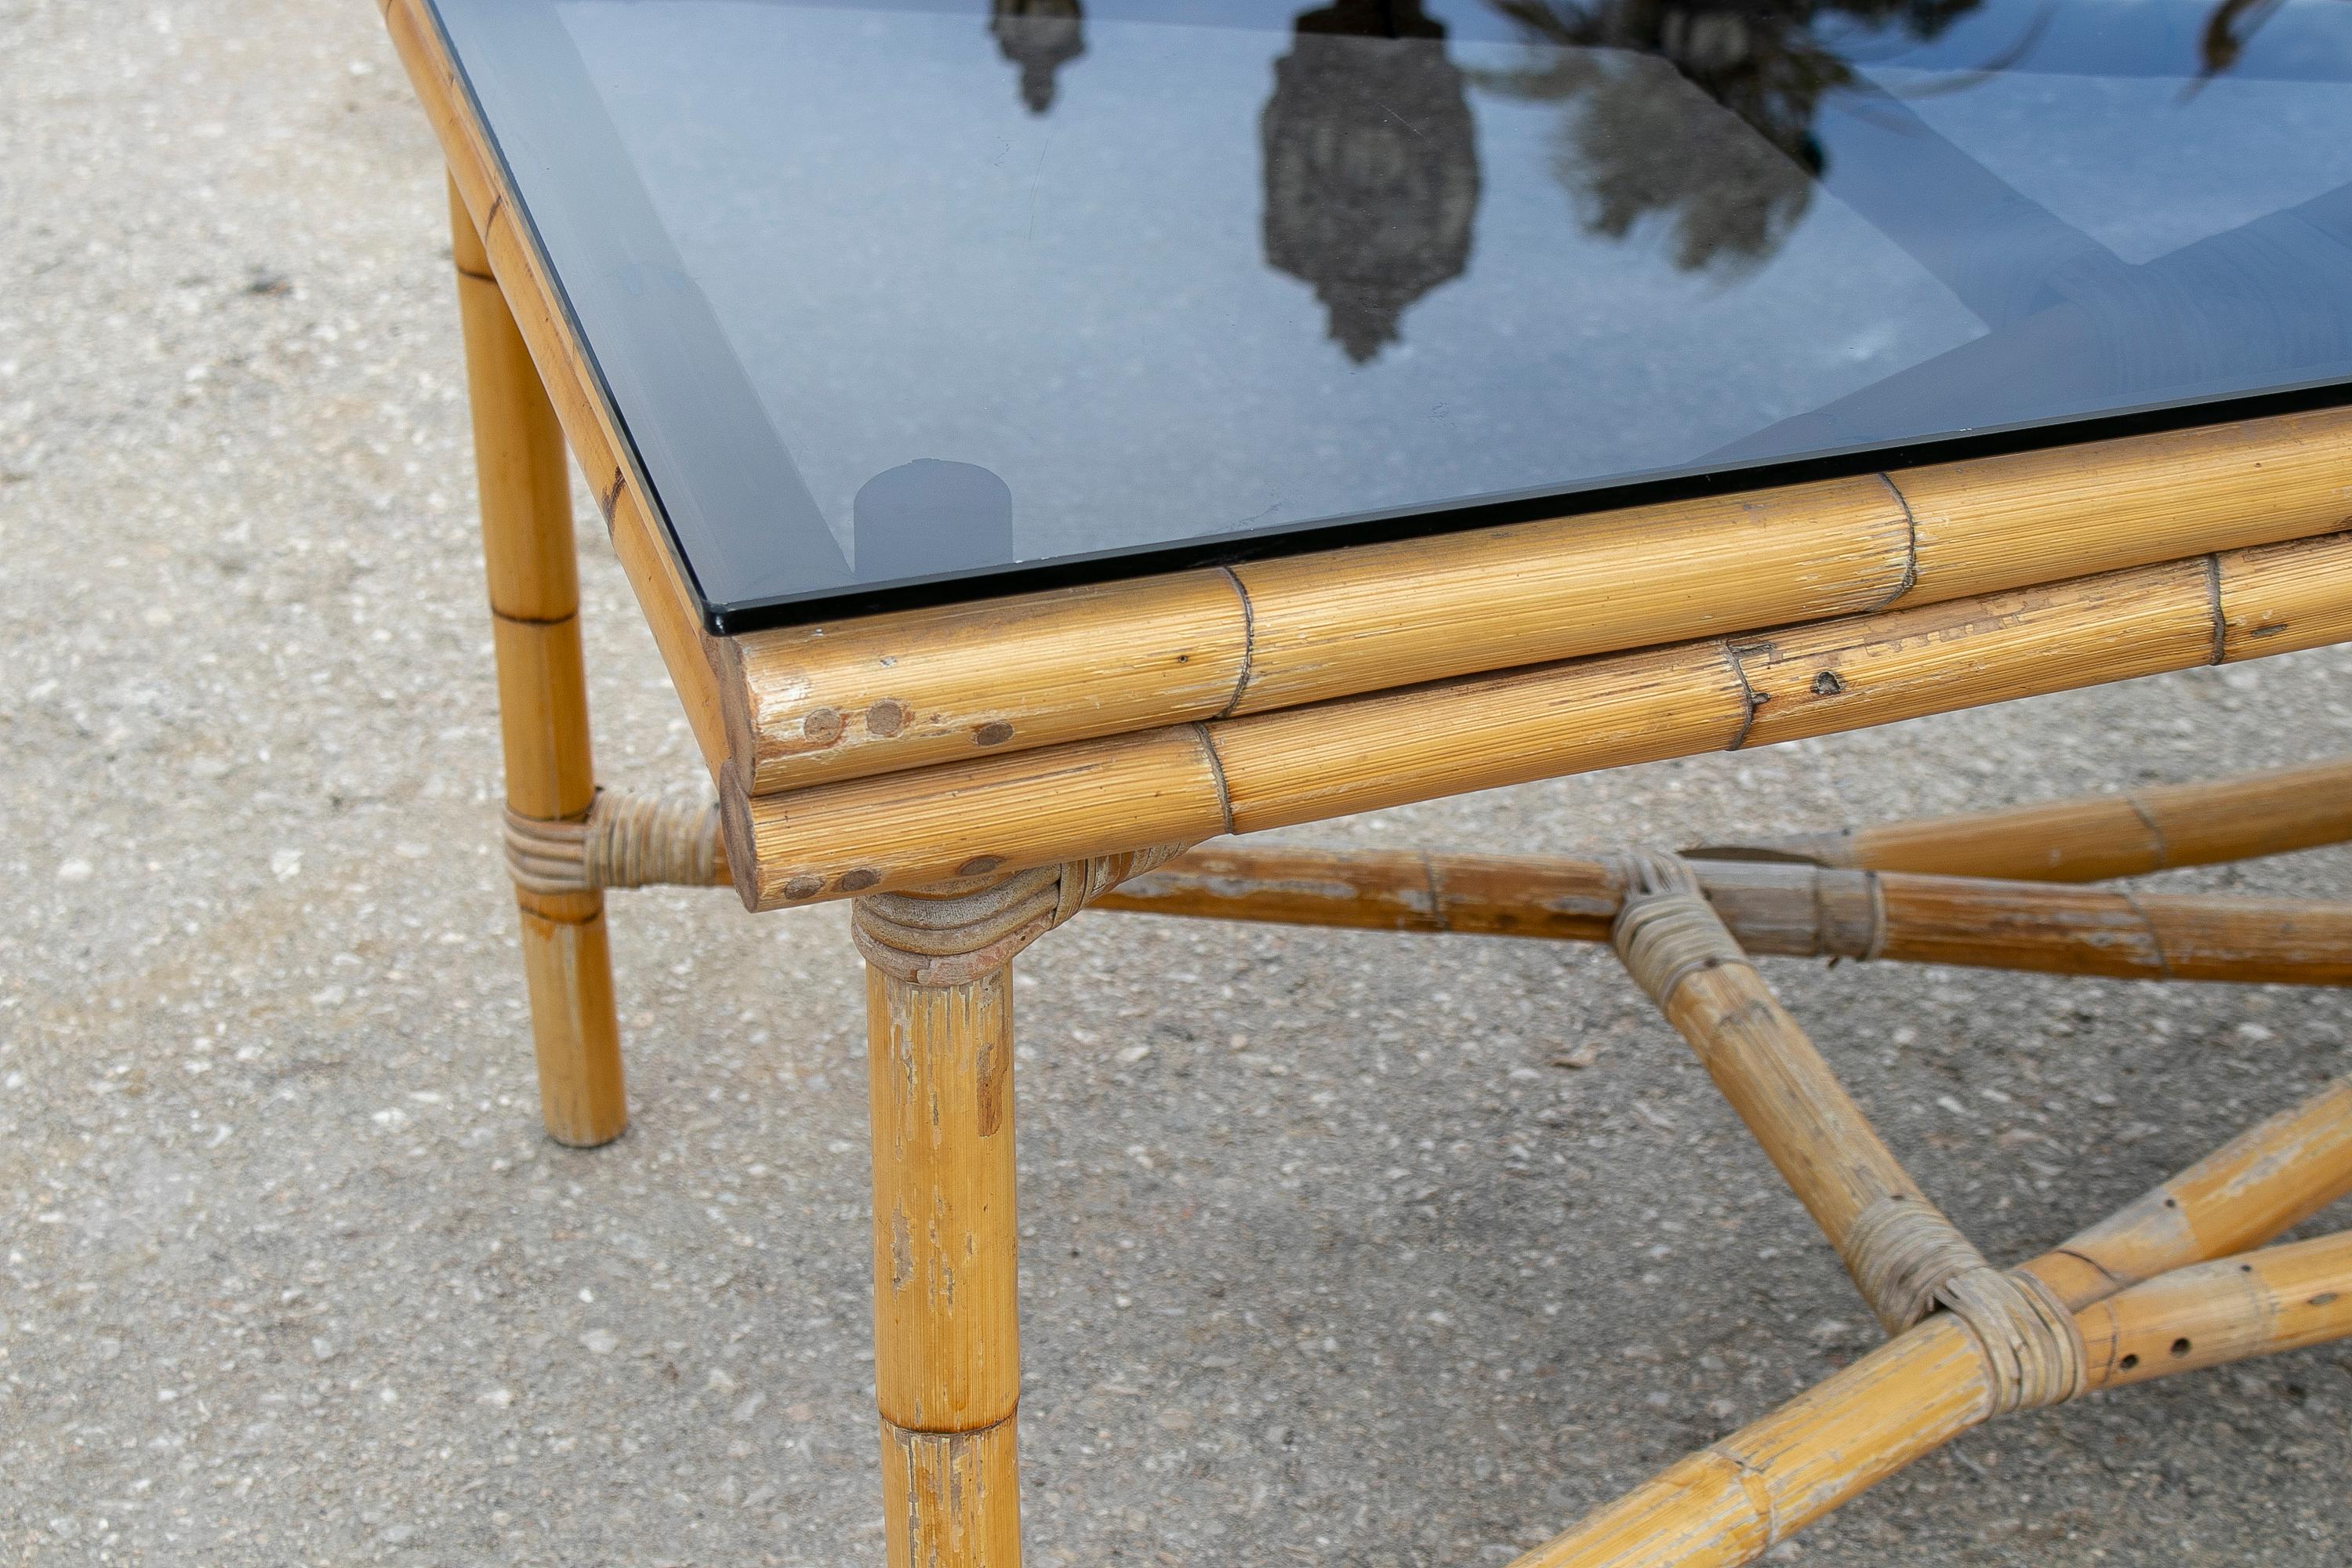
[[1666, 930], [951, 933], [625, 841], [1908, 1259]]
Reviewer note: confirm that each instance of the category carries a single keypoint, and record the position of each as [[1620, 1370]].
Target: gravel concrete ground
[[1328, 1258]]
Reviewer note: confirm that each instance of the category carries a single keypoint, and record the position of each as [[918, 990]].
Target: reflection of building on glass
[[1371, 166], [1732, 174], [927, 516], [1041, 37]]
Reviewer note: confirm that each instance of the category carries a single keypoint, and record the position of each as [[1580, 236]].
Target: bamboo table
[[1738, 438]]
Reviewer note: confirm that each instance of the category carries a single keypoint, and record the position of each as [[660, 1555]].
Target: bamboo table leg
[[534, 588], [938, 1055], [947, 1351]]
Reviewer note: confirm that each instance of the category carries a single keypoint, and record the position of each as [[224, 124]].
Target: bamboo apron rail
[[1250, 772], [975, 765]]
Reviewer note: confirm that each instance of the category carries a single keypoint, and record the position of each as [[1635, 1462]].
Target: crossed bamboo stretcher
[[2179, 1280]]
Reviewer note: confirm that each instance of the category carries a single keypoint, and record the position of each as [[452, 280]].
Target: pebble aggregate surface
[[1346, 1248]]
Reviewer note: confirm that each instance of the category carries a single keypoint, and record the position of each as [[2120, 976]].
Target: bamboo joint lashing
[[1908, 1259], [2032, 1344], [1666, 931], [625, 840], [1902, 1251], [952, 932], [1905, 1256]]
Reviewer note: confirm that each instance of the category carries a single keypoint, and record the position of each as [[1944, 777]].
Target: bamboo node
[[1908, 1259], [625, 841], [1665, 930], [952, 932]]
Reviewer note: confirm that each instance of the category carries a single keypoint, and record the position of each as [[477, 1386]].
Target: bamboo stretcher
[[1797, 910], [974, 775], [2165, 1286], [2097, 836], [1733, 1501]]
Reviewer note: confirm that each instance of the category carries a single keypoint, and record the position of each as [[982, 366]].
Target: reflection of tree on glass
[[1041, 37], [1371, 166], [1735, 174], [2228, 30], [1708, 116]]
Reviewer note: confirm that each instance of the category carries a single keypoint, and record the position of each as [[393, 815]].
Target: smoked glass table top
[[907, 300]]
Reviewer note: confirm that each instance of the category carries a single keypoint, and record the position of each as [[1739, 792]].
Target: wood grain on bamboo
[[1800, 1115], [2267, 1180], [1188, 782]]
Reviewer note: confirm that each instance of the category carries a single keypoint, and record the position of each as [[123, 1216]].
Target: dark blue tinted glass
[[902, 301]]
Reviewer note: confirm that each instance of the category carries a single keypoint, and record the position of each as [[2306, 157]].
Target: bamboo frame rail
[[886, 693], [1733, 1501], [2094, 837], [1778, 909], [1270, 770]]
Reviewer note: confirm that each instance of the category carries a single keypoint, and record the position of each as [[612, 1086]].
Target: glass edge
[[770, 613]]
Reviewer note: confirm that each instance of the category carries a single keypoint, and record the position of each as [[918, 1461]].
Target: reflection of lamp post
[[1371, 164], [1041, 37], [928, 516]]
